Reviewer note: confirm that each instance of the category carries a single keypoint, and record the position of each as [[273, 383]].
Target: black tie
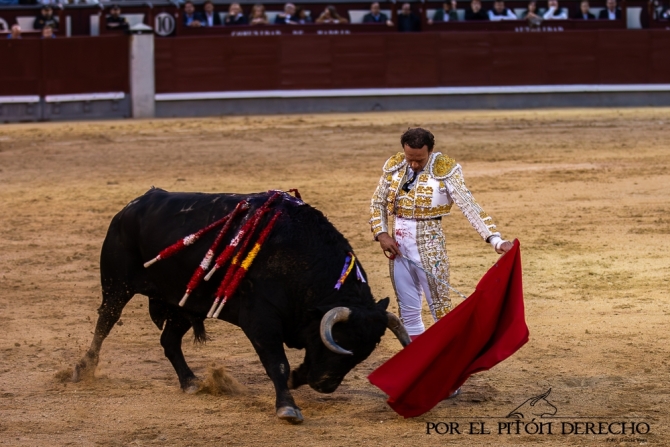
[[406, 187]]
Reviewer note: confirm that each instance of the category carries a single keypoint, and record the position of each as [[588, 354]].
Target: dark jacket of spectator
[[195, 16], [479, 15], [409, 23], [239, 19], [118, 22], [285, 19], [216, 19], [369, 18], [42, 21], [439, 16], [604, 14], [580, 16]]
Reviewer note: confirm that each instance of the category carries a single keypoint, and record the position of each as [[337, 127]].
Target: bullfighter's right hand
[[388, 244]]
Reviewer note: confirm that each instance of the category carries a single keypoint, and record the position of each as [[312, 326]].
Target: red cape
[[481, 332]]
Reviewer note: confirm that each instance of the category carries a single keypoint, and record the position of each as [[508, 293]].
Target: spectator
[[114, 20], [258, 16], [330, 15], [288, 17], [376, 15], [611, 12], [192, 18], [302, 16], [15, 32], [499, 12], [212, 18], [407, 20], [235, 16], [530, 13], [554, 12], [584, 13], [446, 14], [474, 11], [665, 13], [48, 32], [45, 18]]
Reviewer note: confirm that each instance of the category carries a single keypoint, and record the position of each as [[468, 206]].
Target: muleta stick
[[251, 222], [246, 264], [204, 264], [185, 242]]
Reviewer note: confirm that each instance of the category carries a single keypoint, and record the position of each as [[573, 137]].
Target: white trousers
[[423, 242]]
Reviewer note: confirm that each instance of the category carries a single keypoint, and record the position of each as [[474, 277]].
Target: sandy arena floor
[[585, 191]]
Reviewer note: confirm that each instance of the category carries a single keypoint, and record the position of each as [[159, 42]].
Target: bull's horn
[[334, 315], [396, 326]]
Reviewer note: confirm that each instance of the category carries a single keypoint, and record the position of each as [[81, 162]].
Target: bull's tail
[[199, 333]]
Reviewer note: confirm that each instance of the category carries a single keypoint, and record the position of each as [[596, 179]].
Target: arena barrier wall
[[211, 75], [64, 78]]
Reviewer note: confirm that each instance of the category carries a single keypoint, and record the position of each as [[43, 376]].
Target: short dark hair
[[417, 138]]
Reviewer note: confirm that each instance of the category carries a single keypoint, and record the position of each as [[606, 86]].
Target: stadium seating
[[356, 15]]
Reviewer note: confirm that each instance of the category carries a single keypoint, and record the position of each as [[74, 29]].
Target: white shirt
[[509, 15], [549, 15], [611, 15]]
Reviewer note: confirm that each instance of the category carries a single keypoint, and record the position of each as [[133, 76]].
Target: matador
[[418, 187]]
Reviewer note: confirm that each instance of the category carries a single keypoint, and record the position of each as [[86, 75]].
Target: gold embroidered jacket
[[437, 188]]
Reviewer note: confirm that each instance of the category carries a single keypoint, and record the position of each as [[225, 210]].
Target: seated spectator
[[330, 15], [665, 13], [584, 13], [530, 13], [192, 18], [235, 16], [288, 17], [45, 18], [554, 12], [211, 17], [474, 11], [407, 20], [15, 32], [48, 32], [499, 12], [611, 12], [114, 19], [376, 15], [446, 14], [302, 16], [258, 16]]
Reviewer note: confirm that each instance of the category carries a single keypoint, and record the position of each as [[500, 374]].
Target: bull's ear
[[384, 303]]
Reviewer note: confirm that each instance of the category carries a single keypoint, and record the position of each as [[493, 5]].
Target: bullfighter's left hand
[[505, 247]]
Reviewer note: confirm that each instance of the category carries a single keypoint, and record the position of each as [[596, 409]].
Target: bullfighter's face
[[416, 158]]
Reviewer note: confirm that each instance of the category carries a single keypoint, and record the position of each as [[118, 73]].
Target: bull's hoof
[[76, 373], [193, 386], [83, 370], [290, 415]]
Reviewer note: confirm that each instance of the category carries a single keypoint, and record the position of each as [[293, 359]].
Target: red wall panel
[[85, 65], [20, 67], [624, 56], [464, 59], [411, 60]]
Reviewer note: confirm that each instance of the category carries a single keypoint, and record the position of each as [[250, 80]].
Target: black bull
[[287, 296]]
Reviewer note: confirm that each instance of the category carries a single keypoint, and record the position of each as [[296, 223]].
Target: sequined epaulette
[[442, 166], [395, 163]]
